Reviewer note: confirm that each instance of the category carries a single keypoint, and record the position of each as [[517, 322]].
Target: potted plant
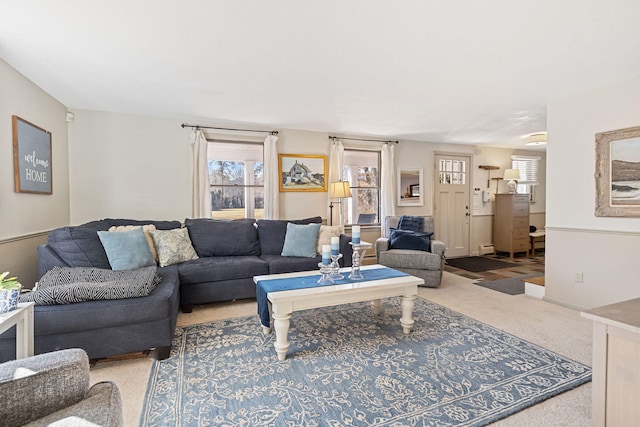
[[9, 292]]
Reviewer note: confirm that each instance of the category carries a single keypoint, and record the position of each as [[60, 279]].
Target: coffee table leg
[[376, 305], [281, 326], [407, 313]]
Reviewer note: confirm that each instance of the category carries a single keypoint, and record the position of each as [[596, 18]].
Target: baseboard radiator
[[486, 248]]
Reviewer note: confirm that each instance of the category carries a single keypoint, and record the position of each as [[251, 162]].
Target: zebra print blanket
[[66, 285]]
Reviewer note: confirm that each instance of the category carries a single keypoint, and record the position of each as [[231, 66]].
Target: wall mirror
[[410, 187]]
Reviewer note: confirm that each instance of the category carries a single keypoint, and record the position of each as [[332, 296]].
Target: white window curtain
[[387, 183], [200, 192], [336, 156], [271, 178]]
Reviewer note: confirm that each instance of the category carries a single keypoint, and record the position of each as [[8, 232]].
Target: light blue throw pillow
[[126, 250], [301, 240]]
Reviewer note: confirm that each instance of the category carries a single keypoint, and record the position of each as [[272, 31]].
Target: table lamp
[[338, 190], [512, 175]]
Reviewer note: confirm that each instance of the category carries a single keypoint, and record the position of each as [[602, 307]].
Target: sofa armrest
[[61, 379], [438, 247], [382, 244]]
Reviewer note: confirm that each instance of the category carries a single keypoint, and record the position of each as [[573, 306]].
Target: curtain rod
[[362, 139], [272, 132]]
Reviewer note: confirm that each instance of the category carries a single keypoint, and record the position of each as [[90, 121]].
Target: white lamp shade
[[511, 174], [339, 190]]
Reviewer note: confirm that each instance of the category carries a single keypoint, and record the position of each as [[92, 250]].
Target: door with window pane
[[452, 205]]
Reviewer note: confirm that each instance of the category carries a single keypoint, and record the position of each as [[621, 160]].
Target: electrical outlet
[[578, 277]]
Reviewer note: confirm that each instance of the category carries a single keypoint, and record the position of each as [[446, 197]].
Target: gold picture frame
[[302, 172], [618, 173]]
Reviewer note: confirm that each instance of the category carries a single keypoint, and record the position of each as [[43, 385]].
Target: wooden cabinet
[[616, 357], [511, 223]]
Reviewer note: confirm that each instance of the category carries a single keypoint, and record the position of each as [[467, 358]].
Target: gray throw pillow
[[301, 240], [173, 246]]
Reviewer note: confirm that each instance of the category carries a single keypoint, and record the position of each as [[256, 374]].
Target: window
[[362, 170], [528, 167], [452, 171], [236, 178]]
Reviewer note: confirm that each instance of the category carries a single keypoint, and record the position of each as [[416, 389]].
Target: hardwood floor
[[524, 265]]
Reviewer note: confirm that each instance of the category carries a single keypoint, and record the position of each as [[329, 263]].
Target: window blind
[[528, 167]]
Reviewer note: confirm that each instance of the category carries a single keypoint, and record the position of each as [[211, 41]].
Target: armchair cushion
[[405, 239], [409, 258], [412, 223]]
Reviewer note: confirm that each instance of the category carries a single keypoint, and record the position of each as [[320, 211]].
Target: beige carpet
[[552, 326]]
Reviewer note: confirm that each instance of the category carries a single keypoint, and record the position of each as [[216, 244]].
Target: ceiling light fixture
[[539, 138]]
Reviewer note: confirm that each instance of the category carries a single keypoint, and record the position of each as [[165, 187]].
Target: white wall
[[25, 218], [23, 213], [605, 250], [128, 166]]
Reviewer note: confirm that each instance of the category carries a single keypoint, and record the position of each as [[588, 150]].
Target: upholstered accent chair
[[426, 265], [55, 388]]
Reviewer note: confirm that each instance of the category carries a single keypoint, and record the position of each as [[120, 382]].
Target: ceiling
[[458, 71]]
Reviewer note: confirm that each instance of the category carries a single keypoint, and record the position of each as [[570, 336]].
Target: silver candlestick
[[335, 274], [355, 259]]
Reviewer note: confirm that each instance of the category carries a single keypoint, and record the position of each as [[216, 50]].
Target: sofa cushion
[[213, 237], [301, 240], [272, 232], [79, 246], [214, 269], [127, 250], [405, 239], [173, 246], [285, 264], [68, 318]]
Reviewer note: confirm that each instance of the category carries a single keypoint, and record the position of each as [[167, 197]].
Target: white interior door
[[452, 207]]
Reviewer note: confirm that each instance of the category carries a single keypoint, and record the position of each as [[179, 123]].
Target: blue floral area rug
[[347, 366]]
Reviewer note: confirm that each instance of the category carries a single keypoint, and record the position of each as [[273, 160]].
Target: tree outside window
[[236, 178], [362, 170]]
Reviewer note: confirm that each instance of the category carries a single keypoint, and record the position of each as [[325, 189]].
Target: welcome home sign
[[31, 158]]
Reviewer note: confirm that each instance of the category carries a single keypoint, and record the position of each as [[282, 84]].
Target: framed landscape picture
[[618, 173], [302, 172], [31, 158]]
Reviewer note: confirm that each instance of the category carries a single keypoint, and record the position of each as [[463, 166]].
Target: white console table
[[22, 318]]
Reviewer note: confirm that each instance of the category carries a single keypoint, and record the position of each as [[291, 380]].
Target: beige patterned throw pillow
[[325, 235], [173, 246], [146, 228]]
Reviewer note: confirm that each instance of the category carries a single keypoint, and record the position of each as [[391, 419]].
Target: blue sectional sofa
[[230, 253]]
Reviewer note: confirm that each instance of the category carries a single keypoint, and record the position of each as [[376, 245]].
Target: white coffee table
[[284, 303], [22, 318]]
